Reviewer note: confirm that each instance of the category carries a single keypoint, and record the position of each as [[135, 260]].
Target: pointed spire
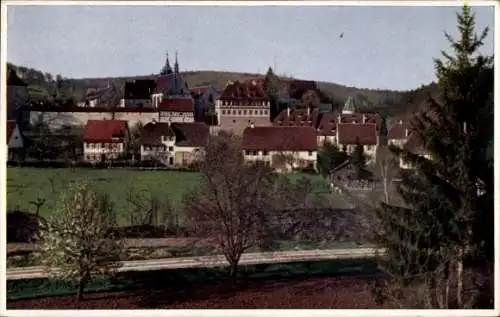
[[176, 65], [167, 69]]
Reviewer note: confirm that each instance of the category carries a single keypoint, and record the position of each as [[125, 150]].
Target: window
[[103, 145], [244, 112], [239, 112], [310, 153], [224, 112], [164, 147], [171, 148], [266, 112], [261, 112], [248, 152], [265, 153]]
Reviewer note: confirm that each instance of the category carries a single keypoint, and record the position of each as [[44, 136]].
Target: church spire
[[176, 65], [167, 69]]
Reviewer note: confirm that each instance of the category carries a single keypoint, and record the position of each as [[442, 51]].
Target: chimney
[[288, 111], [400, 122], [252, 125], [308, 111], [364, 118], [339, 118]]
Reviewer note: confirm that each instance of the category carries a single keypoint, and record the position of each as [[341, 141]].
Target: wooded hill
[[45, 86]]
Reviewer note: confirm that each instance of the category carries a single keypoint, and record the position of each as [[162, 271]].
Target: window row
[[108, 146], [246, 112], [157, 148], [264, 153], [240, 103]]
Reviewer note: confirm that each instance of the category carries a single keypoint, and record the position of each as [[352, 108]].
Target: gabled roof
[[297, 117], [328, 124], [177, 105], [297, 87], [243, 92], [194, 134], [348, 133], [152, 132], [415, 144], [280, 139], [106, 131], [397, 131], [139, 89], [164, 84]]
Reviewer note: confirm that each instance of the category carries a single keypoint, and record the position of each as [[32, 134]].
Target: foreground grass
[[25, 185], [24, 289]]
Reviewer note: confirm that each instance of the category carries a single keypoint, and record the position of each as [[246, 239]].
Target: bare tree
[[386, 170], [79, 240], [233, 195]]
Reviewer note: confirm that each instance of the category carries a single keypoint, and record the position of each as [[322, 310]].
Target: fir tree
[[330, 157], [272, 92], [432, 241]]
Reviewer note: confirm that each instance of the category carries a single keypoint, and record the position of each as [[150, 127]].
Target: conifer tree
[[432, 243], [358, 161]]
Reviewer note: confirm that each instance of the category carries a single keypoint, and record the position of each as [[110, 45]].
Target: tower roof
[[349, 105]]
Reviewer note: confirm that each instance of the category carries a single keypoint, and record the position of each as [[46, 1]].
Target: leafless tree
[[386, 169], [228, 208]]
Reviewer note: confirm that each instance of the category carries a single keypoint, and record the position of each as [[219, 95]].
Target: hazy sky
[[382, 47]]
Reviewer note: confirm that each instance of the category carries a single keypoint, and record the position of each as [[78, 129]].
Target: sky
[[385, 47]]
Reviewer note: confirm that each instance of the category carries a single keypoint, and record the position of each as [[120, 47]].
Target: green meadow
[[25, 185]]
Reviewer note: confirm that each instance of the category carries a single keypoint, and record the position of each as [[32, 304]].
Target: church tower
[[166, 70]]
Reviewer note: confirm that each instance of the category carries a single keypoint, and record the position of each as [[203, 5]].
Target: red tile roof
[[298, 87], [397, 132], [280, 139], [191, 133], [349, 132], [152, 132], [177, 105], [415, 144], [297, 117], [245, 92], [328, 124], [106, 131], [164, 83], [11, 126]]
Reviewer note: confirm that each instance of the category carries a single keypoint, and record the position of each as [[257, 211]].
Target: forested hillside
[[47, 86]]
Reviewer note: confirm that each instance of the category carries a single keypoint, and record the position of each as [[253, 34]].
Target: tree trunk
[[233, 269], [79, 292], [459, 278]]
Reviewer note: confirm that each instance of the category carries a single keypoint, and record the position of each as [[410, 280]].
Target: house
[[283, 148], [176, 110], [15, 141], [108, 96], [157, 143], [204, 97], [191, 139], [137, 94], [398, 133], [415, 145], [17, 96], [327, 129], [298, 117], [105, 140], [241, 104], [350, 134]]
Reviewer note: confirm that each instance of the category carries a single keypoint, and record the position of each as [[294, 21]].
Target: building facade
[[105, 140], [282, 148], [241, 105]]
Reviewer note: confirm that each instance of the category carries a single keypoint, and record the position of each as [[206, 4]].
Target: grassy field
[[27, 184]]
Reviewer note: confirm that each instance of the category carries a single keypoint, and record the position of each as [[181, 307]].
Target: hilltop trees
[[436, 252], [79, 240]]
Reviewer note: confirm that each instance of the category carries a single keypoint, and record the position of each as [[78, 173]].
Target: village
[[174, 122]]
